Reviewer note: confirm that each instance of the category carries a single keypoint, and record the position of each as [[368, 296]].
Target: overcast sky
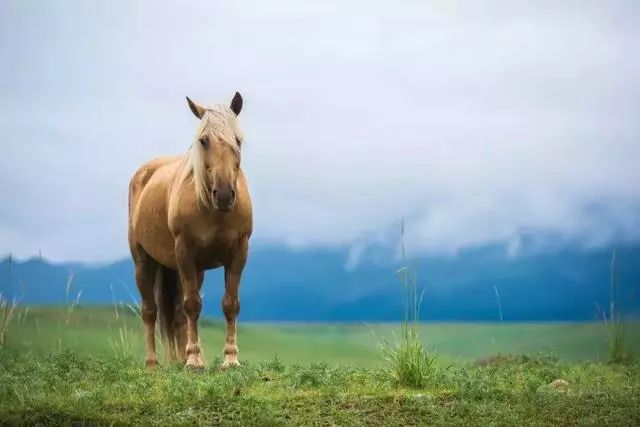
[[479, 122]]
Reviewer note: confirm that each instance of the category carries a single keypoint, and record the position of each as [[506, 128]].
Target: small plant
[[22, 316], [115, 304], [274, 364], [136, 309], [409, 362], [7, 312], [71, 307], [614, 324], [123, 344]]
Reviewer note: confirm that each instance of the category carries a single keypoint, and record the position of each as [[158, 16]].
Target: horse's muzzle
[[224, 198]]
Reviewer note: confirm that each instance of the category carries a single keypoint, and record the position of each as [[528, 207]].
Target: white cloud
[[478, 124]]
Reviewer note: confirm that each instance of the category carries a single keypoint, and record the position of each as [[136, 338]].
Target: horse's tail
[[171, 318]]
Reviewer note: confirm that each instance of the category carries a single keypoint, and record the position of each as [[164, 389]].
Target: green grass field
[[93, 330], [85, 367]]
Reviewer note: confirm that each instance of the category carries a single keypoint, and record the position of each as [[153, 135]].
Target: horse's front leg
[[231, 302], [192, 302]]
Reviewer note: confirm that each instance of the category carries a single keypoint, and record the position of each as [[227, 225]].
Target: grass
[[615, 325], [123, 345], [7, 312], [69, 387], [310, 374], [338, 344], [408, 360]]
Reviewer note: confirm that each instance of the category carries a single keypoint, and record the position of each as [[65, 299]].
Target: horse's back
[[143, 175]]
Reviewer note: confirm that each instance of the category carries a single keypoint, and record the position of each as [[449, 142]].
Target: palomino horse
[[188, 214]]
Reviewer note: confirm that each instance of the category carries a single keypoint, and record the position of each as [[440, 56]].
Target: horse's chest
[[214, 248]]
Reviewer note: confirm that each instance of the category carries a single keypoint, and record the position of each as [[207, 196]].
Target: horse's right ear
[[197, 109]]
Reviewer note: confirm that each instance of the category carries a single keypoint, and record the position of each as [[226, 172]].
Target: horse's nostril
[[233, 194]]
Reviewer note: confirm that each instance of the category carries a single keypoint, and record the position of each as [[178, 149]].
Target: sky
[[480, 123]]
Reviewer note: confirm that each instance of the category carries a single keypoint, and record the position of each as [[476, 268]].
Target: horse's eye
[[204, 141], [238, 141]]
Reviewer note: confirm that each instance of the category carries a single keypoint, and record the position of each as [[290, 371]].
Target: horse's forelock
[[220, 121]]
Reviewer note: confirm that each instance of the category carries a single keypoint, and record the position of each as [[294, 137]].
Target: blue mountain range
[[283, 284]]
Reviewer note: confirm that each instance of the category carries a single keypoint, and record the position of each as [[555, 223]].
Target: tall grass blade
[[7, 312], [73, 305], [123, 345], [115, 304], [495, 289]]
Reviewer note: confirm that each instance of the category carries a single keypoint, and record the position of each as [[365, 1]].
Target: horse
[[188, 214]]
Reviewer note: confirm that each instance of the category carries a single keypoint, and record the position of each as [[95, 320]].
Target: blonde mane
[[220, 121]]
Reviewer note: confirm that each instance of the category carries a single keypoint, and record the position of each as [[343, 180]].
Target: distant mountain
[[282, 284]]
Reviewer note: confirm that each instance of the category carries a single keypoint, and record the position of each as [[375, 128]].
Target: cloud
[[479, 125]]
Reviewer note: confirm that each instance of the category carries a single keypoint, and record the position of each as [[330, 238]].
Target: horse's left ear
[[236, 103]]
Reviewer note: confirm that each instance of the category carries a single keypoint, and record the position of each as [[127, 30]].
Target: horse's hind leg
[[145, 270], [180, 320], [181, 324], [200, 283]]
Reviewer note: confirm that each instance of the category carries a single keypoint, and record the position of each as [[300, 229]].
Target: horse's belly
[[209, 265], [163, 252]]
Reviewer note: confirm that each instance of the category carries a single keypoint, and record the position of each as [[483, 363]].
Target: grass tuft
[[124, 344], [7, 312], [615, 326], [409, 362], [71, 306]]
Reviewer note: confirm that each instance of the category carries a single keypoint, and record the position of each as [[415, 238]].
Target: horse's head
[[215, 155]]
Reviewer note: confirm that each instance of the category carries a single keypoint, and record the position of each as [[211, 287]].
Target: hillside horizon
[[283, 284]]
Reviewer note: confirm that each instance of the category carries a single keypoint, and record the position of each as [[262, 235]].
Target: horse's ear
[[197, 109], [236, 103]]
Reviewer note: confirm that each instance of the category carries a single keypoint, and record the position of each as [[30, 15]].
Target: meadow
[[117, 331], [72, 365]]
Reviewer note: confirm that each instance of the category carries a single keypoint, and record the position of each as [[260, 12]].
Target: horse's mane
[[220, 121]]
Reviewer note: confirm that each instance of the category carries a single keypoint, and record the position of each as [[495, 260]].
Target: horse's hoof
[[151, 363]]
